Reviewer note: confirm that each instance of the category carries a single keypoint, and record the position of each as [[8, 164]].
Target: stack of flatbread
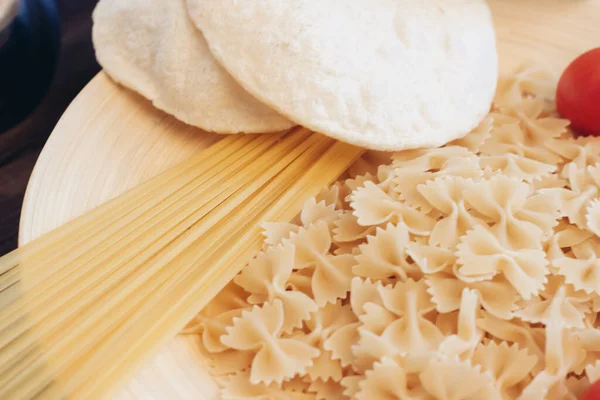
[[383, 74]]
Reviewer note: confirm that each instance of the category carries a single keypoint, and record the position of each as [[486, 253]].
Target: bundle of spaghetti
[[83, 306]]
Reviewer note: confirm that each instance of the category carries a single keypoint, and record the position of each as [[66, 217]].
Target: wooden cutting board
[[111, 139]]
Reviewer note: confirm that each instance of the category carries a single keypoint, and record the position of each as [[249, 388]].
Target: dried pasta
[[477, 262]]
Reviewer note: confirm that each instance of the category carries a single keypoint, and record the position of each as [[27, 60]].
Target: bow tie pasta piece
[[414, 168], [549, 182], [327, 390], [333, 195], [590, 342], [538, 126], [583, 274], [583, 189], [520, 220], [447, 196], [313, 212], [322, 327], [376, 318], [332, 273], [297, 385], [447, 323], [592, 216], [373, 207], [341, 342], [276, 232], [516, 332], [351, 385], [396, 325], [228, 362], [559, 300], [266, 278], [509, 137], [325, 368], [385, 178], [276, 358], [451, 379], [497, 295], [563, 353], [509, 366], [431, 160], [579, 152], [327, 320], [462, 344], [389, 380], [571, 388], [565, 236], [516, 166], [582, 179], [385, 256], [301, 281], [564, 349], [347, 230], [370, 349], [410, 331], [477, 137], [359, 181], [310, 242], [524, 83], [481, 256], [367, 305], [213, 328], [232, 297], [364, 291], [431, 259], [238, 387]]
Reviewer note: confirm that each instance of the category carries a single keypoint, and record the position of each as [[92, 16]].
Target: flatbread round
[[152, 47], [384, 74]]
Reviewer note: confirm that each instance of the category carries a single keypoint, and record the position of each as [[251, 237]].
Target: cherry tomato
[[578, 93], [592, 393]]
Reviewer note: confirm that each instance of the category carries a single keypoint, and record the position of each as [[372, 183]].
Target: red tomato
[[593, 392], [578, 93]]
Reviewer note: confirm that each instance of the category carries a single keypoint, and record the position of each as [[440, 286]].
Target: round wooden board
[[110, 140]]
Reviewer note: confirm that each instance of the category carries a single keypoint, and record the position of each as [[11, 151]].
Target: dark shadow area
[[21, 144]]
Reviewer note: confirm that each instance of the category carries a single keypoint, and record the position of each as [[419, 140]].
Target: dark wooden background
[[20, 146]]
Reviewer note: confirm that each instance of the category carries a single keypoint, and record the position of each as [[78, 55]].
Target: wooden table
[[20, 146]]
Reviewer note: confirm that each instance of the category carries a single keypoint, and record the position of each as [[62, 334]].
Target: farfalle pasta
[[466, 272], [446, 195], [332, 274], [266, 279], [516, 166], [497, 296], [525, 82], [509, 365], [482, 256], [385, 255], [276, 358]]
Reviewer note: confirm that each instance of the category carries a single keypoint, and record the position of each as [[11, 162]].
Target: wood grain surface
[[111, 139]]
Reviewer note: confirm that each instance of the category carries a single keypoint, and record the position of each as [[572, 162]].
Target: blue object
[[28, 60]]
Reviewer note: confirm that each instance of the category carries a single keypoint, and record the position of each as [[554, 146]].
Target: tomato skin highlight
[[578, 94], [592, 393]]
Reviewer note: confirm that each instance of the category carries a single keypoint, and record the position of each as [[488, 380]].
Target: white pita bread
[[384, 74], [152, 47]]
